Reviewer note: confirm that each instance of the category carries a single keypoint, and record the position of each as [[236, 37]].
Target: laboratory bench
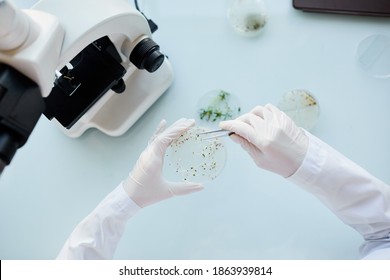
[[54, 181]]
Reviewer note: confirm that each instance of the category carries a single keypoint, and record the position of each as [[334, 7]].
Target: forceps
[[215, 133]]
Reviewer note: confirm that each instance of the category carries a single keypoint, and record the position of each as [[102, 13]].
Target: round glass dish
[[247, 17], [193, 158], [301, 106], [373, 55], [217, 105]]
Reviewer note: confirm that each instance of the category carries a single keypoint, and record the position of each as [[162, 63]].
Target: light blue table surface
[[246, 213]]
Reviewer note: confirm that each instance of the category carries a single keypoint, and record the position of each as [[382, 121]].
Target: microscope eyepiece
[[146, 55]]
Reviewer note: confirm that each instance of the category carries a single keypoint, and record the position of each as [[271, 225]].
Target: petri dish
[[247, 17], [217, 105], [301, 106], [193, 158], [373, 55]]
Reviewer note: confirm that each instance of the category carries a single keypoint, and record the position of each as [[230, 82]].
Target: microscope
[[83, 64]]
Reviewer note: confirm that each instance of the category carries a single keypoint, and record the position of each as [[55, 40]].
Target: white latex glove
[[145, 184], [271, 138]]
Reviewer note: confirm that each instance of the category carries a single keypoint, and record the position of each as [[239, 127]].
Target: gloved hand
[[145, 185], [271, 138]]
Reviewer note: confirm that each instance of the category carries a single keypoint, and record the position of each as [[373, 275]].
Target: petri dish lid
[[373, 55], [191, 158]]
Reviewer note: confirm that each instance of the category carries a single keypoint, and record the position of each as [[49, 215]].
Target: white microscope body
[[57, 40]]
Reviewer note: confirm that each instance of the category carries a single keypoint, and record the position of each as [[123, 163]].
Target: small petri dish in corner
[[192, 158], [373, 55]]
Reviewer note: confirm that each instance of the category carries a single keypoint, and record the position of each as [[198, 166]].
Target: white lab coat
[[356, 197], [359, 199], [96, 237]]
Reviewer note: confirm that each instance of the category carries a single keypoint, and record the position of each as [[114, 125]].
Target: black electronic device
[[353, 7]]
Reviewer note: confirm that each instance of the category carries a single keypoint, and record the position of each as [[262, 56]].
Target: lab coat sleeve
[[97, 236], [355, 196]]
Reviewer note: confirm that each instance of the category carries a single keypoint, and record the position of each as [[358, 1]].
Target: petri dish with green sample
[[217, 105], [193, 158]]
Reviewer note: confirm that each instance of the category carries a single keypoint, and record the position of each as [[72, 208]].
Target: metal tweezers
[[215, 133]]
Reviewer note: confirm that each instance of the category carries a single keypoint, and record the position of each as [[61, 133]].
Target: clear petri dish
[[217, 105], [247, 17], [373, 55], [301, 106], [192, 158]]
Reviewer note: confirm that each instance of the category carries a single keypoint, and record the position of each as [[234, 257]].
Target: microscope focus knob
[[146, 55]]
